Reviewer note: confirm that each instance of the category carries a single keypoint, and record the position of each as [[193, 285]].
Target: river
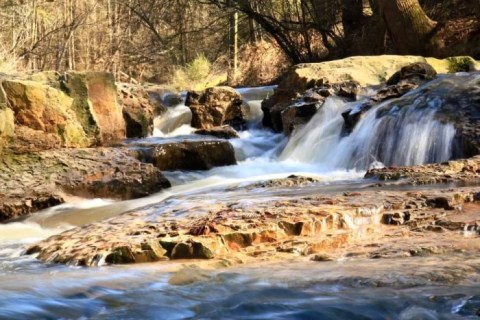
[[434, 287]]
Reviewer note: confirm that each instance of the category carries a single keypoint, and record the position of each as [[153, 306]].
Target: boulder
[[38, 180], [95, 104], [74, 109], [415, 72], [138, 110], [289, 115], [45, 109], [192, 155], [456, 100], [223, 132], [217, 106], [297, 115]]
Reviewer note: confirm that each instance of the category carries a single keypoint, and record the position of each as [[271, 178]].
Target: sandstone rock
[[223, 132], [45, 109], [296, 115], [193, 155], [35, 181], [95, 104], [293, 226], [217, 106], [465, 171], [138, 110]]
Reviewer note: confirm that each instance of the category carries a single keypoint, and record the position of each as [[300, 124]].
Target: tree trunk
[[409, 27], [352, 17], [233, 48]]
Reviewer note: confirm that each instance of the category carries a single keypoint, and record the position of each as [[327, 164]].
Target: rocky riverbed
[[361, 202], [372, 222]]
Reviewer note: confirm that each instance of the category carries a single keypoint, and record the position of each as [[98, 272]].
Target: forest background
[[189, 43]]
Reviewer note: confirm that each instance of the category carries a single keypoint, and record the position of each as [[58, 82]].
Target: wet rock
[[223, 132], [217, 106], [290, 181], [415, 72], [138, 110], [193, 155], [365, 70], [288, 115], [297, 115], [464, 171], [171, 99], [35, 181], [406, 79], [120, 255], [270, 229]]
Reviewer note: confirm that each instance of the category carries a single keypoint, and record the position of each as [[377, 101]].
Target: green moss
[[460, 64], [74, 85]]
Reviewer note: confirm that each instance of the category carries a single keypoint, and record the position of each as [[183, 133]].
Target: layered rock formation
[[427, 221], [38, 180]]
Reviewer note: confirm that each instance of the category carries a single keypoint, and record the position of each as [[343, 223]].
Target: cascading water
[[403, 131], [175, 121], [394, 133]]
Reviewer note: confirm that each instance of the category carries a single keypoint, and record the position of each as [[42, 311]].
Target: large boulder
[[45, 109], [38, 180], [74, 109], [95, 103], [289, 115], [364, 70], [415, 72], [189, 155], [139, 110], [217, 106], [456, 100]]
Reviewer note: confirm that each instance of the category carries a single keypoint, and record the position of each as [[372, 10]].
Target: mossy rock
[[43, 108], [461, 64], [95, 104]]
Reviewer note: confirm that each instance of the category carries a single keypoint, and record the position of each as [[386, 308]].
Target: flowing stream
[[413, 288]]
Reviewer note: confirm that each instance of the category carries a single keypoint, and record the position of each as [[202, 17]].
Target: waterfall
[[402, 131]]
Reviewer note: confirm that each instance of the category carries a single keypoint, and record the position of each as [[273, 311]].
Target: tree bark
[[408, 26]]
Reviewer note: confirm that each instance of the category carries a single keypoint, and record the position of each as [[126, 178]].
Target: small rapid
[[402, 131]]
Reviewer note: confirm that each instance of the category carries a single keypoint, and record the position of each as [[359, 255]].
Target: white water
[[406, 135]]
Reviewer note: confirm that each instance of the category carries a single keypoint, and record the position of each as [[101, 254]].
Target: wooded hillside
[[150, 39]]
